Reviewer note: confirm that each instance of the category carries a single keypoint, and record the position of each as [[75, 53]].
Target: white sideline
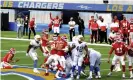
[[13, 73], [31, 39]]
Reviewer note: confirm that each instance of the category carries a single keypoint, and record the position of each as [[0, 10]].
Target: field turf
[[21, 47]]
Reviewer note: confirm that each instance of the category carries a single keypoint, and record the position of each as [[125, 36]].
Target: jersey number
[[119, 50], [79, 49]]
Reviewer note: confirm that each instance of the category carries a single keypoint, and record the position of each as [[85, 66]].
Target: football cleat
[[46, 74], [99, 77], [89, 78], [36, 71], [123, 76], [83, 73], [109, 74], [96, 77], [78, 76], [58, 77], [131, 77]]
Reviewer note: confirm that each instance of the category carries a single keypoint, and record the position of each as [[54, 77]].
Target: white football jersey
[[80, 47], [94, 52], [35, 45]]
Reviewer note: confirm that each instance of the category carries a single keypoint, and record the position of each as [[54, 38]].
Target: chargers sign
[[25, 4], [66, 6], [40, 5]]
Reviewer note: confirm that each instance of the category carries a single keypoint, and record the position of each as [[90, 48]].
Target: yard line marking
[[24, 52], [32, 39], [13, 73]]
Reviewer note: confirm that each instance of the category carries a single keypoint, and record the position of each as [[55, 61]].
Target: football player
[[124, 25], [31, 51], [80, 45], [53, 55], [131, 30], [62, 48], [94, 58], [130, 59], [44, 41], [8, 58], [120, 49]]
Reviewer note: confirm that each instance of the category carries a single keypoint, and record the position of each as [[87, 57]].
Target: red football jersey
[[44, 40], [56, 22], [124, 24], [53, 46], [119, 48], [93, 25], [60, 46], [31, 24], [131, 27], [5, 59]]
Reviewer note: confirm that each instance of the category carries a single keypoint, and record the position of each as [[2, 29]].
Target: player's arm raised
[[51, 16]]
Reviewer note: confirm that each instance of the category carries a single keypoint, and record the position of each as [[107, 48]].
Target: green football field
[[21, 47]]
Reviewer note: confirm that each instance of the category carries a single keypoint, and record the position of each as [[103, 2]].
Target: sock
[[123, 68], [91, 73], [57, 73], [73, 69], [91, 68], [131, 73], [35, 64], [47, 66], [97, 71], [111, 68], [79, 70]]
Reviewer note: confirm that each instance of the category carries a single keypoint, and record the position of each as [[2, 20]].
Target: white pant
[[45, 49], [4, 64], [78, 60], [68, 65], [56, 29], [116, 58], [62, 61], [131, 35], [33, 55], [130, 60], [52, 58], [95, 60]]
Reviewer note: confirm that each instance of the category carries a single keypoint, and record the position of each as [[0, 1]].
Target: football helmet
[[64, 38], [55, 37], [37, 37], [45, 31], [12, 50], [80, 38]]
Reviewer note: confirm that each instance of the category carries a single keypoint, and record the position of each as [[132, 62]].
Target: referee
[[72, 29]]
